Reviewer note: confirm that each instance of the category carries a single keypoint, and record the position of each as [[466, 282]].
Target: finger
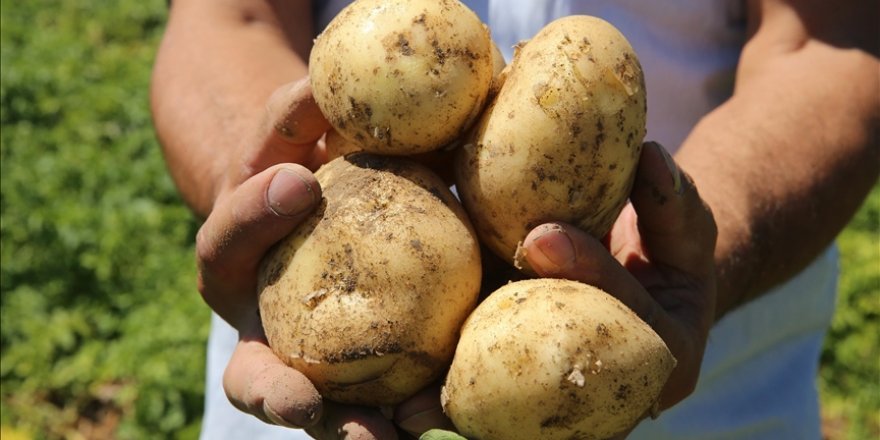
[[242, 227], [422, 412], [293, 114], [677, 230], [292, 126], [352, 423], [676, 227], [259, 383], [559, 250], [562, 251]]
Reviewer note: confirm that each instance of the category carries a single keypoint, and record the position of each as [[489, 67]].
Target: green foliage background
[[102, 328], [103, 332]]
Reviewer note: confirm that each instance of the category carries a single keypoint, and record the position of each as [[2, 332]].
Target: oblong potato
[[562, 139], [366, 297], [553, 359], [402, 77]]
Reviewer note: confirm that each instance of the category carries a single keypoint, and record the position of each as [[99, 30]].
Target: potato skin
[[367, 296], [553, 359], [562, 139], [402, 77]]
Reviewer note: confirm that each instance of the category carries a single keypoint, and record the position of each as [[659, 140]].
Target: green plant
[[850, 372], [103, 332]]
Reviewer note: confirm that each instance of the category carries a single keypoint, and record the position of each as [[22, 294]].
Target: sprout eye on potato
[[553, 359], [561, 140], [401, 77], [367, 296]]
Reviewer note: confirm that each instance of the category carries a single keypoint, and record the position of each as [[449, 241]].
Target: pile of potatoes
[[377, 294]]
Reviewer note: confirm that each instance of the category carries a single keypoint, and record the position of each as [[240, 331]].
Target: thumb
[[676, 227], [244, 224]]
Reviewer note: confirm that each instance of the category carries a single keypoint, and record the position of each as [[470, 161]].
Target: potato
[[336, 145], [367, 296], [562, 139], [402, 77], [553, 359]]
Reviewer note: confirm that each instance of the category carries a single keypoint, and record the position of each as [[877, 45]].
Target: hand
[[660, 264], [267, 193]]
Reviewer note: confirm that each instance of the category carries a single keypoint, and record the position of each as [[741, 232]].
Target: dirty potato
[[561, 140], [402, 77], [553, 359], [367, 296], [336, 145]]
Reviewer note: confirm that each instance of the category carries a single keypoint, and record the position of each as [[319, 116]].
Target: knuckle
[[207, 293], [211, 258], [205, 250]]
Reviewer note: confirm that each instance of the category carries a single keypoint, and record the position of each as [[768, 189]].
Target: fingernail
[[289, 194], [554, 246], [671, 165], [276, 418], [420, 422]]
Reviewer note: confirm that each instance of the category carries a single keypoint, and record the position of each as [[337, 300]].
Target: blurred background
[[102, 331]]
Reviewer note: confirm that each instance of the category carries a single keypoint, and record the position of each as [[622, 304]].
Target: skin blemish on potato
[[314, 298], [439, 54], [359, 110], [575, 193], [600, 132], [627, 71], [403, 45], [621, 120], [576, 376], [552, 421]]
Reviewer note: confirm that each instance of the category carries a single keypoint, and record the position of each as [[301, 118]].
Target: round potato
[[402, 77], [553, 359], [367, 296], [561, 140]]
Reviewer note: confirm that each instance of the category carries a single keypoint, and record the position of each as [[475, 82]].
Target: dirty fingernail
[[554, 246], [289, 194], [672, 166]]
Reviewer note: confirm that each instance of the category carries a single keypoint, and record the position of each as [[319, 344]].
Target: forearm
[[217, 64], [786, 162]]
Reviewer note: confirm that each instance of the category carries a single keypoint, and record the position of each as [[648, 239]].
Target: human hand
[[268, 191], [660, 264]]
